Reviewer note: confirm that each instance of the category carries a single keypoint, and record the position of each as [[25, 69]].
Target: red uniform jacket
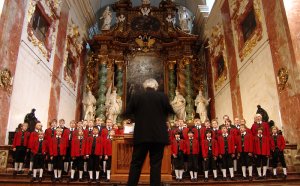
[[104, 133], [233, 131], [205, 148], [248, 143], [174, 146], [76, 151], [98, 148], [280, 142], [87, 132], [202, 133], [195, 146], [54, 145], [18, 139], [34, 136], [48, 134], [184, 132], [65, 133], [119, 132], [264, 125], [107, 149], [265, 150], [231, 143], [35, 147], [216, 133], [72, 134]]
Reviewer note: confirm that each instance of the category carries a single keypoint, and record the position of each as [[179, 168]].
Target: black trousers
[[277, 154], [261, 160], [58, 162], [227, 161], [20, 154], [210, 162], [193, 162], [245, 159], [178, 162], [94, 163], [38, 161], [108, 163], [156, 152], [78, 163]]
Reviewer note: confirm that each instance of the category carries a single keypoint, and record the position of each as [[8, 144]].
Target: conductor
[[149, 110]]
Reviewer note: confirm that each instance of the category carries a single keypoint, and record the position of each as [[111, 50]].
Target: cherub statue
[[121, 18], [201, 104], [170, 19], [145, 11], [107, 16]]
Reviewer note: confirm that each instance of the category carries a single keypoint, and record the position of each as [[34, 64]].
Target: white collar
[[95, 135], [208, 138], [225, 135]]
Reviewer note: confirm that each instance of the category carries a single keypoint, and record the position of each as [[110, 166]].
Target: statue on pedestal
[[107, 16], [184, 19], [89, 107], [201, 104], [31, 120], [113, 105], [178, 104]]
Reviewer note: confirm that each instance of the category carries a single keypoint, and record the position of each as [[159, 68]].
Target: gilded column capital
[[103, 59], [171, 64], [120, 64], [187, 59]]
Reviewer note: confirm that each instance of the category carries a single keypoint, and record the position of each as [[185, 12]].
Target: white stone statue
[[145, 2], [113, 105], [145, 11], [89, 107], [184, 19], [107, 16], [178, 105], [201, 103]]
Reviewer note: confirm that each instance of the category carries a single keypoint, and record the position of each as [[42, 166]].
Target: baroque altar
[[145, 42]]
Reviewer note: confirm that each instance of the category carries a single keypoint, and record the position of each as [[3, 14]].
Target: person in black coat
[[149, 110]]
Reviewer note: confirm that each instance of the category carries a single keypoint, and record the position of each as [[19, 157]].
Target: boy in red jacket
[[58, 150], [34, 136], [178, 149], [49, 133], [78, 154], [226, 152], [39, 151], [245, 150], [19, 146], [261, 149], [210, 154], [94, 152], [107, 143], [277, 148], [192, 151]]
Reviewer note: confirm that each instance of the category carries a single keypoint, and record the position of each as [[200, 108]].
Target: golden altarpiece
[[144, 43]]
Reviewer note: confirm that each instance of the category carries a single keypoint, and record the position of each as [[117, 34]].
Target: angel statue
[[113, 104], [107, 16], [89, 108], [184, 19], [178, 105], [201, 104]]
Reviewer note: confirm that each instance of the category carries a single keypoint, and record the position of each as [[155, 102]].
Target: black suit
[[150, 111]]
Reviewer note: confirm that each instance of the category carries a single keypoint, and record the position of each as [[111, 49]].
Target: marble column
[[100, 112], [171, 81], [11, 21], [189, 90]]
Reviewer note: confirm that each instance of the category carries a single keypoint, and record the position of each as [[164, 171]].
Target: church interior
[[84, 59]]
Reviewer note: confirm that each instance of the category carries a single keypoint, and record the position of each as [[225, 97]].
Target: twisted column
[[172, 85], [100, 112], [189, 91], [120, 75]]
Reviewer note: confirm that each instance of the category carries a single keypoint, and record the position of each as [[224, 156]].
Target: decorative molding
[[51, 10], [216, 45], [6, 80], [73, 49], [240, 9]]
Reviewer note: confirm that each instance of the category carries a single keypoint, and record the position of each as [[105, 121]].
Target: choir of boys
[[228, 146], [198, 149]]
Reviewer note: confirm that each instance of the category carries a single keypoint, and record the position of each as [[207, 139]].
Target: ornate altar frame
[[136, 31]]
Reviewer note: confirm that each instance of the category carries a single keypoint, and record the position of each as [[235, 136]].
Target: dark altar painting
[[140, 68]]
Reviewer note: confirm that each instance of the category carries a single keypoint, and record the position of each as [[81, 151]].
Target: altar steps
[[292, 179]]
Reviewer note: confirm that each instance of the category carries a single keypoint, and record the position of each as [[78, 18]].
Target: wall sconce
[[282, 79]]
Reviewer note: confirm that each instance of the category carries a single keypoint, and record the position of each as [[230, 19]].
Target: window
[[248, 25], [40, 25], [220, 66]]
